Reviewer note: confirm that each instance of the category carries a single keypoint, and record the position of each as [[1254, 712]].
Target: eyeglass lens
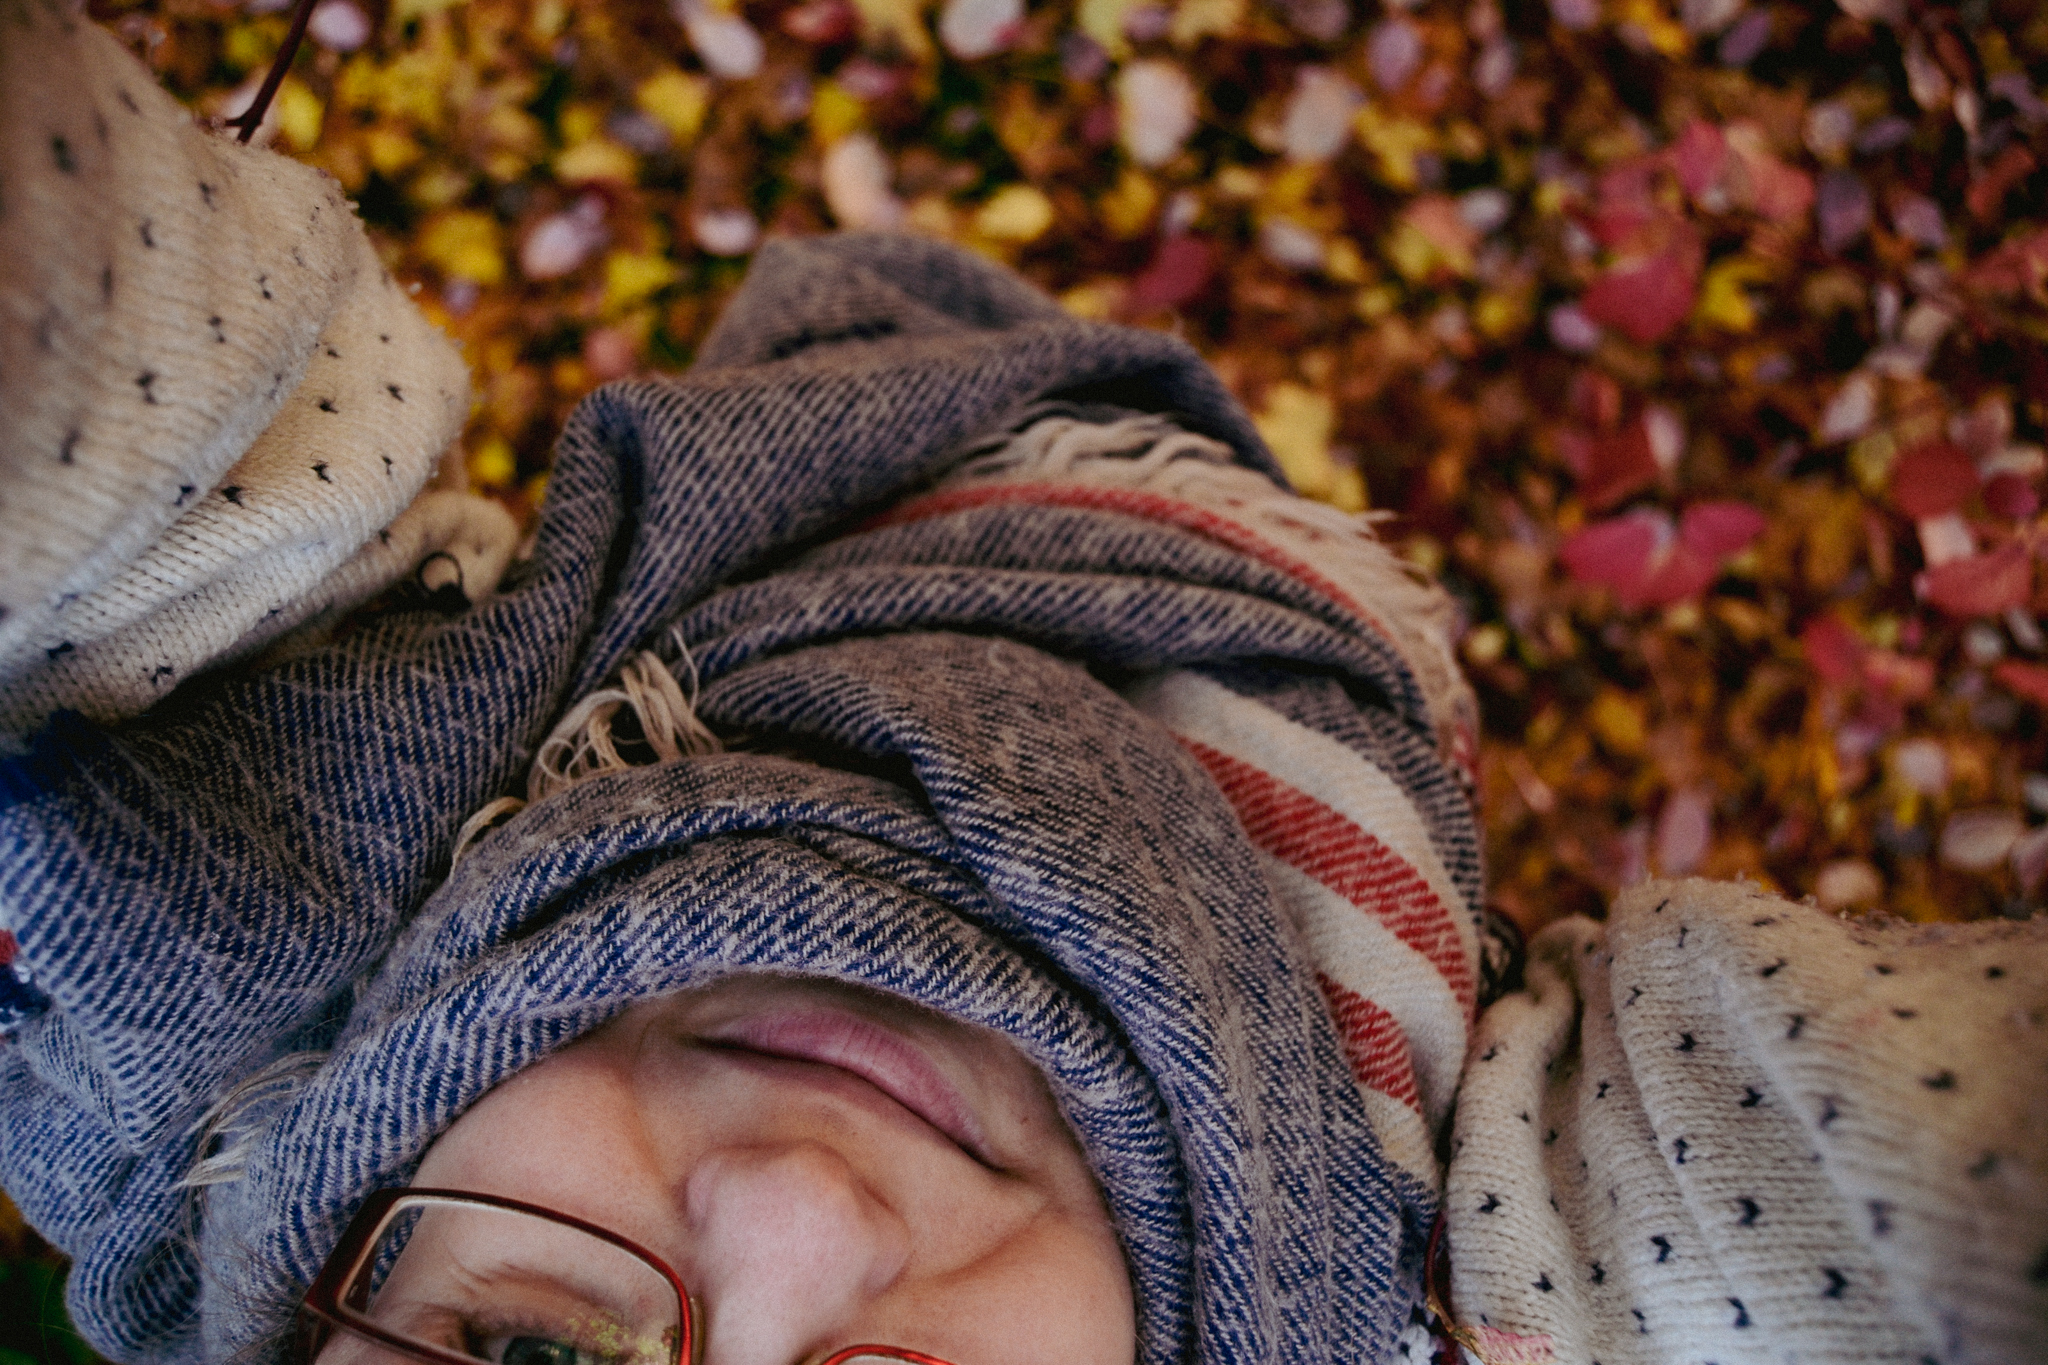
[[508, 1287]]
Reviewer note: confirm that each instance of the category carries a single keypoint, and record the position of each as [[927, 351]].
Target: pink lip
[[846, 1042]]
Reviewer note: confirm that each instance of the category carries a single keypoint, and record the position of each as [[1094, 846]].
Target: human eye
[[592, 1340], [509, 1288]]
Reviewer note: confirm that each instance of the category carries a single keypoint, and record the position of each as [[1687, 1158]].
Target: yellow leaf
[[439, 186], [1665, 34], [1128, 208], [464, 244], [493, 464], [1871, 458], [632, 277], [299, 114], [407, 10], [248, 46], [598, 159], [677, 101], [515, 130], [1375, 303], [1500, 315], [1617, 718], [1409, 251], [1724, 293], [1343, 263], [355, 86], [1239, 182], [835, 112], [550, 17], [392, 151], [1103, 20], [1195, 20], [1297, 423], [1395, 142], [1096, 301], [1015, 213], [901, 19], [580, 121]]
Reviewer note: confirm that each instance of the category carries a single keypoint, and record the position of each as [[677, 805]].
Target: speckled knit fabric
[[212, 395], [1725, 1127]]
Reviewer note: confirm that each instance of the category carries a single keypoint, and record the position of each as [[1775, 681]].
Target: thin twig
[[250, 119]]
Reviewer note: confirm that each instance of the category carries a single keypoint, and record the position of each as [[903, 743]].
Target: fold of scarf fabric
[[984, 825]]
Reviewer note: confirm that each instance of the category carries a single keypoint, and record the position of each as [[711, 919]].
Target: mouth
[[866, 1051]]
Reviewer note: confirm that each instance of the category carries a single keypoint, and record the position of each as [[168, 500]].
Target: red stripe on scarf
[[1373, 1043], [1301, 831]]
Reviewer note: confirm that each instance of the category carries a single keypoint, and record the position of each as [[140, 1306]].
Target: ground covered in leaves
[[1702, 351], [1699, 346]]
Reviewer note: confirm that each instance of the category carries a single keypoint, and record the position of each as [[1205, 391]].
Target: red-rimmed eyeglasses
[[452, 1278]]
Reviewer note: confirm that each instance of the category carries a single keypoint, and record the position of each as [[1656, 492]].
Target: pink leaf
[[1682, 573], [1646, 300], [1982, 585], [1933, 478], [1719, 529], [1698, 156], [1834, 650], [1685, 831], [1906, 678], [1617, 551]]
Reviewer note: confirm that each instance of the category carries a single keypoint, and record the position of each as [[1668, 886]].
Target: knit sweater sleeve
[[218, 410], [1725, 1126]]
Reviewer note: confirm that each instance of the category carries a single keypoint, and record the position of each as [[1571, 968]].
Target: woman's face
[[822, 1166]]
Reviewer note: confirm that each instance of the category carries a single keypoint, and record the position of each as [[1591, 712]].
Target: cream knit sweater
[[1724, 1127], [217, 409]]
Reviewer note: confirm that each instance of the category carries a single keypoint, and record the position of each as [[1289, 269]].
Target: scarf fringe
[[1155, 454], [584, 743]]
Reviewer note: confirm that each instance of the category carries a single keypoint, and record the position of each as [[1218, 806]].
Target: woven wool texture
[[986, 826], [1729, 1127], [212, 395]]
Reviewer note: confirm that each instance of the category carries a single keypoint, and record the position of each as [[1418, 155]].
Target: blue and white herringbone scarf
[[931, 786]]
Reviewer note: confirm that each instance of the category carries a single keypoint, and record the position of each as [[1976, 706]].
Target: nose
[[788, 1245]]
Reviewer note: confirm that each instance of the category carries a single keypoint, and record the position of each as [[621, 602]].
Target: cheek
[[1062, 1293]]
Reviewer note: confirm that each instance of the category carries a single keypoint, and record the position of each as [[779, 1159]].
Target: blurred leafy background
[[1699, 346]]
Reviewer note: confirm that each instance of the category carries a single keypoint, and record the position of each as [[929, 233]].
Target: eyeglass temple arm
[[250, 119]]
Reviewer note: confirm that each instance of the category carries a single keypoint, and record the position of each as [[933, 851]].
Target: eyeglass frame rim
[[322, 1302]]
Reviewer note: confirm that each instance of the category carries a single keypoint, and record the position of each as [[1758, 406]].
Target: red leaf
[[2023, 680], [1981, 585], [1933, 478], [2012, 497], [1719, 529], [2020, 266], [1644, 301], [1177, 274], [1987, 192], [1610, 467], [1833, 649]]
